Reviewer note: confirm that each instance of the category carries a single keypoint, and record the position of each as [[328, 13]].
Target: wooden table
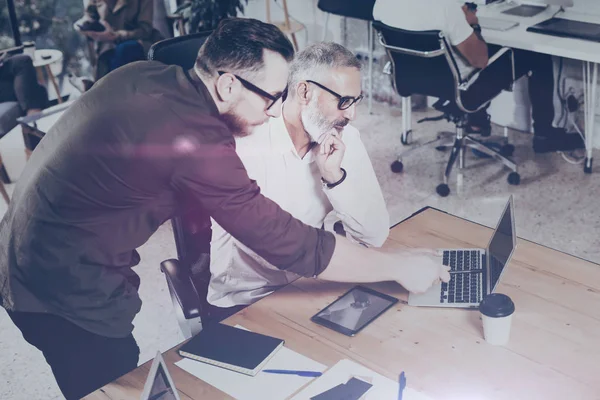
[[554, 351], [43, 58]]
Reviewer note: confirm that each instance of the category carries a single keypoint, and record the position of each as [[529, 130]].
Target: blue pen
[[402, 385], [308, 374]]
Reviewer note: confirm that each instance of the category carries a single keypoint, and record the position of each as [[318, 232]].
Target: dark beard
[[235, 124]]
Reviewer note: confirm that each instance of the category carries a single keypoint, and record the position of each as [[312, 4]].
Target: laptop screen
[[502, 245]]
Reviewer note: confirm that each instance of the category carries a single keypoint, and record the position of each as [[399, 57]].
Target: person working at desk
[[471, 52], [114, 168], [316, 183]]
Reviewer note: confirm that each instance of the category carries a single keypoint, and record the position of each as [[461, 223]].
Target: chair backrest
[[181, 50], [192, 232], [362, 9], [422, 62]]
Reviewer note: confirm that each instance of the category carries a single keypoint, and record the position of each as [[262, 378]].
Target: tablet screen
[[354, 310]]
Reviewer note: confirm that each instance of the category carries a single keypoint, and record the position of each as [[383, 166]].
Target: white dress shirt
[[239, 276], [424, 15]]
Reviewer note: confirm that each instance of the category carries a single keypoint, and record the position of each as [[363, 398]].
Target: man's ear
[[227, 87], [303, 92]]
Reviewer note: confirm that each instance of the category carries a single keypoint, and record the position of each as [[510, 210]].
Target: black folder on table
[[231, 348], [568, 28]]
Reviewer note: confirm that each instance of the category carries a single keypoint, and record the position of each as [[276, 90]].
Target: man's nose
[[275, 110], [350, 112]]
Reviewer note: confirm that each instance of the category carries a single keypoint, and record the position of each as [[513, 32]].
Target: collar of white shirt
[[281, 141]]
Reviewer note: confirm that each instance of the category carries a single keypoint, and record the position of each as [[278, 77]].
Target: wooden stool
[[287, 26], [42, 60]]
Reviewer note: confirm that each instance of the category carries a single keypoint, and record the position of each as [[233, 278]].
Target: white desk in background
[[577, 49]]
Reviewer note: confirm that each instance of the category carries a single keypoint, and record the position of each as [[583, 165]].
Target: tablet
[[356, 309]]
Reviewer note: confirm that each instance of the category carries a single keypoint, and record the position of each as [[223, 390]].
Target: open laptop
[[159, 385], [474, 273]]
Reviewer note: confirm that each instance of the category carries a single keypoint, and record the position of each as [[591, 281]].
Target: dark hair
[[237, 45]]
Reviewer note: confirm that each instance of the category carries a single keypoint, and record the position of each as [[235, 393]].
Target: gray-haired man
[[312, 164]]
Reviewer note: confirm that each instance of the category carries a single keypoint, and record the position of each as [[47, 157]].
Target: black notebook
[[231, 348]]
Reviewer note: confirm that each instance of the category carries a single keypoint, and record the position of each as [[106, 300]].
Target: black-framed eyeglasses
[[253, 88], [345, 102]]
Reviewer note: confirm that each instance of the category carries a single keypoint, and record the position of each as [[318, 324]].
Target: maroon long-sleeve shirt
[[108, 174]]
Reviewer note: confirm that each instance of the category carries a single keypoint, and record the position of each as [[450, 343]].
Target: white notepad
[[382, 389]]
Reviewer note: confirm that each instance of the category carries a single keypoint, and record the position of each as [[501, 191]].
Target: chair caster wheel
[[405, 138], [441, 148], [397, 166], [586, 169], [514, 178], [507, 150], [443, 190]]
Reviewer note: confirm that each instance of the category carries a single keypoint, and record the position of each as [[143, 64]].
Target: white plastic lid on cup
[[497, 305], [496, 313]]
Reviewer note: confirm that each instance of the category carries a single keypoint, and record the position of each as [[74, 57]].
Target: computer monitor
[[159, 385]]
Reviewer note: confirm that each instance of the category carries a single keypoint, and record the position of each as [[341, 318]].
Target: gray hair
[[316, 60]]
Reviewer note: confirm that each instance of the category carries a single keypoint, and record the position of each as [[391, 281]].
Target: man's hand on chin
[[330, 154]]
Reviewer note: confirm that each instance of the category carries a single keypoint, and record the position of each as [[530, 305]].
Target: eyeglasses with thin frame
[[253, 88], [344, 102]]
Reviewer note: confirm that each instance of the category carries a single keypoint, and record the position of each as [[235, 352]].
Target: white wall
[[587, 6]]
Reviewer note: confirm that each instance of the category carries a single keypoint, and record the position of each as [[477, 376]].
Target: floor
[[556, 205]]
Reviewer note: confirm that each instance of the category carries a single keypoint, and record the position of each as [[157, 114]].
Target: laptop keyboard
[[465, 287], [462, 260]]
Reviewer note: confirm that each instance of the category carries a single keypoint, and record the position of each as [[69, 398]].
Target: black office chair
[[188, 276], [423, 63], [359, 9], [180, 50]]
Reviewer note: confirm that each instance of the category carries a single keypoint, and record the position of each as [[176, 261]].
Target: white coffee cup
[[497, 310]]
